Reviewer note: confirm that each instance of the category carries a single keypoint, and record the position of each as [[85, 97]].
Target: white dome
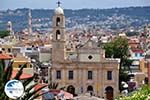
[[59, 11]]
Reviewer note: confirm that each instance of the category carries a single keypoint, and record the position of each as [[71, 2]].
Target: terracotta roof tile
[[5, 56], [23, 76]]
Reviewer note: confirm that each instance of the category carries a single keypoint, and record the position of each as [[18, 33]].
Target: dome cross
[[58, 3]]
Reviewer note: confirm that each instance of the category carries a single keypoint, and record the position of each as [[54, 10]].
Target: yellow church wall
[[143, 66]]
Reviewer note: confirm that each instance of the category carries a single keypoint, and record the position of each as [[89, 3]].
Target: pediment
[[89, 44]]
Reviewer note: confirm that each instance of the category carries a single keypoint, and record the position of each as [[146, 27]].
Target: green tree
[[4, 33], [142, 94], [109, 50], [119, 49], [127, 63]]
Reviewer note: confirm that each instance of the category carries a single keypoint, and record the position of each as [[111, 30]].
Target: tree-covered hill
[[19, 17]]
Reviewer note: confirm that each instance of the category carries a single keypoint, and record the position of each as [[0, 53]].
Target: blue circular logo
[[14, 89]]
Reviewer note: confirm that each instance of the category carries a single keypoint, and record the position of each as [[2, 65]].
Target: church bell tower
[[58, 41]]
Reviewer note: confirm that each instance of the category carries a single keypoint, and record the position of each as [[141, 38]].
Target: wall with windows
[[87, 77]]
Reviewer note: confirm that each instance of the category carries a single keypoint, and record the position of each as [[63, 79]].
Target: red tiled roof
[[23, 76], [5, 56], [138, 51], [54, 91], [39, 86], [133, 42]]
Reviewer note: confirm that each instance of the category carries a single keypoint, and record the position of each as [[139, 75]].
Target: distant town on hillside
[[109, 19]]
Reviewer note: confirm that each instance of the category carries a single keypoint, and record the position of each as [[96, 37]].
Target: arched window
[[71, 89], [57, 21], [89, 88], [58, 35]]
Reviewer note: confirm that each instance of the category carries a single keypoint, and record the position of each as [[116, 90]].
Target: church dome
[[59, 11]]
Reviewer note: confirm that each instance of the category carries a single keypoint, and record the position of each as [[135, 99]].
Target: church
[[89, 71]]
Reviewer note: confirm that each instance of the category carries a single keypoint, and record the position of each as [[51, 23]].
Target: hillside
[[115, 17]]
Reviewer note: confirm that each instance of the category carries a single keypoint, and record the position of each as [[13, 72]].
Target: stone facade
[[89, 72]]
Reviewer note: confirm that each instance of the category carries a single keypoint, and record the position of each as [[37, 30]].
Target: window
[[57, 35], [90, 88], [70, 75], [28, 48], [136, 54], [3, 49], [141, 54], [20, 66], [25, 66], [90, 75], [57, 21], [109, 75], [90, 57], [58, 74], [9, 50]]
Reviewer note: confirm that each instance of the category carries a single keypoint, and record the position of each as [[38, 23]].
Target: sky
[[70, 4]]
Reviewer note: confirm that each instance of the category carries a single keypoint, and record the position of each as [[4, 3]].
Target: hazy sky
[[71, 4]]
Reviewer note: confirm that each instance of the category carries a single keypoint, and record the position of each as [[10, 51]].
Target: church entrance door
[[109, 93]]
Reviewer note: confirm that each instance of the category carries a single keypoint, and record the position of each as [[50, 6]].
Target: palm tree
[[29, 92]]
